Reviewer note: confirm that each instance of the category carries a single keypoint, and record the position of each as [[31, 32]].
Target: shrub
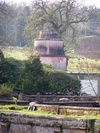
[[37, 77], [5, 90], [1, 56], [10, 70], [61, 82]]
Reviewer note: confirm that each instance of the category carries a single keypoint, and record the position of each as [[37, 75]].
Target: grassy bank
[[19, 53], [75, 63], [23, 109]]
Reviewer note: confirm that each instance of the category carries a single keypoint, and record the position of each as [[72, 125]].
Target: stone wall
[[21, 123], [68, 110]]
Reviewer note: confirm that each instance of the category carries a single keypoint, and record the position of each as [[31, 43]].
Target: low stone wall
[[68, 110], [21, 123]]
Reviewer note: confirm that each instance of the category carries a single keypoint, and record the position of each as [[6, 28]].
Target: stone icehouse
[[51, 49]]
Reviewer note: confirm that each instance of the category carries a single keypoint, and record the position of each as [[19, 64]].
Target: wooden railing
[[86, 101], [56, 98]]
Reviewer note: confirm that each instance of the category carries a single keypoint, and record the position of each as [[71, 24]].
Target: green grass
[[75, 63], [23, 110], [12, 107], [97, 117], [82, 64], [18, 53]]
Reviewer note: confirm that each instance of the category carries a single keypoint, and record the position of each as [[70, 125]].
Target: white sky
[[87, 2]]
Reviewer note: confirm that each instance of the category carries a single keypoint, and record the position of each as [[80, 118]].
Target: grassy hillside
[[18, 53], [75, 63], [82, 64], [83, 57]]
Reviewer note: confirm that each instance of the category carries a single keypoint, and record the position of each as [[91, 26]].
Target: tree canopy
[[19, 25], [60, 15]]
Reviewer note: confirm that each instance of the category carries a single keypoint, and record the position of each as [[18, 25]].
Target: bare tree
[[61, 15]]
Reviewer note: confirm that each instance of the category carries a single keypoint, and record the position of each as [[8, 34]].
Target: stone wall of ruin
[[22, 123]]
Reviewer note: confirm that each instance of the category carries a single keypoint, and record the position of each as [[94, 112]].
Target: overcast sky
[[87, 2]]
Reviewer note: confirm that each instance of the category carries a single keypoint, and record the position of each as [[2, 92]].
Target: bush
[[10, 70], [1, 56], [31, 78], [61, 82], [42, 78], [5, 90]]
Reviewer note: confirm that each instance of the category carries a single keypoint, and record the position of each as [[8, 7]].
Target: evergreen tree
[[32, 76]]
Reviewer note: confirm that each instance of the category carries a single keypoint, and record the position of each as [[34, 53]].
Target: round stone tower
[[51, 50]]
